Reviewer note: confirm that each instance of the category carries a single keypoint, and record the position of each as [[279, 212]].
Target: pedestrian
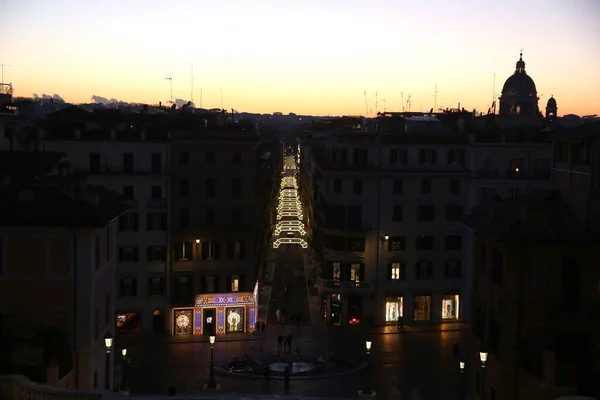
[[289, 342], [262, 329], [279, 343], [286, 380], [278, 314], [456, 350], [401, 324], [284, 343], [257, 328]]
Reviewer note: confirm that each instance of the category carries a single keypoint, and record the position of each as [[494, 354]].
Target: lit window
[[450, 305], [235, 283], [395, 270], [393, 308]]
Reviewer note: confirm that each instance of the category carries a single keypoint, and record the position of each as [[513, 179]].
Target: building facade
[[536, 301], [386, 202], [219, 196], [57, 269], [128, 154]]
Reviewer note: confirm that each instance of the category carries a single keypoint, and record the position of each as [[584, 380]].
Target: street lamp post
[[211, 380], [483, 355], [126, 361], [367, 391], [108, 342], [461, 383]]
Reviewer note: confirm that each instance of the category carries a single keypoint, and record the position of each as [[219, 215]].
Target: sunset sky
[[309, 57]]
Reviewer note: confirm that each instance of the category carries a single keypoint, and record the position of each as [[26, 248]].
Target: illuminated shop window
[[393, 308], [235, 283], [450, 306]]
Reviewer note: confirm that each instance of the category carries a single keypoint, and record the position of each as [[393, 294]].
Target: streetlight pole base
[[371, 394]]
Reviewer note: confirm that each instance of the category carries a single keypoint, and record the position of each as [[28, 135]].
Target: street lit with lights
[[289, 209]]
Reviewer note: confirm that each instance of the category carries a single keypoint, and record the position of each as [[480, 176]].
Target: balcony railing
[[157, 203], [516, 173], [541, 173], [18, 387], [333, 284]]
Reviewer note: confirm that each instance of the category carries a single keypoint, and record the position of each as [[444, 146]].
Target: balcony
[[516, 173], [487, 173], [541, 173], [157, 204], [343, 286]]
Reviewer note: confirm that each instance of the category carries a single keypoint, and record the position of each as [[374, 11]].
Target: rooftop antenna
[[221, 90], [170, 79], [192, 85], [408, 103], [366, 105], [402, 99], [384, 108], [376, 103], [435, 99], [4, 65], [200, 97]]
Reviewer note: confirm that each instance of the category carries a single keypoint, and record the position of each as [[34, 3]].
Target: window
[[337, 185], [236, 157], [337, 271], [184, 251], [184, 218], [128, 163], [95, 163], [452, 270], [393, 308], [356, 244], [514, 192], [398, 156], [450, 306], [426, 213], [516, 166], [184, 187], [156, 163], [236, 249], [183, 289], [236, 187], [424, 243], [357, 186], [156, 286], [211, 187], [210, 250], [235, 283], [456, 157], [156, 222], [210, 158], [397, 243], [97, 261], [454, 186], [209, 217], [486, 194], [427, 156], [398, 186], [155, 253], [396, 271], [355, 272], [184, 158], [426, 186], [454, 212], [209, 284], [128, 192], [539, 275], [422, 308], [156, 193], [236, 215], [453, 242], [397, 213], [128, 254], [128, 287], [424, 270]]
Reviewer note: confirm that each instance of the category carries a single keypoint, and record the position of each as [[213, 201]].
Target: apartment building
[[129, 154], [536, 300], [57, 271], [222, 184], [395, 192]]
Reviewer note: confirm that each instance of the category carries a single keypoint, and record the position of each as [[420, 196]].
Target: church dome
[[519, 84], [551, 102]]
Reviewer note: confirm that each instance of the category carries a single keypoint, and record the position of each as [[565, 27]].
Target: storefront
[[394, 308], [450, 307], [218, 313]]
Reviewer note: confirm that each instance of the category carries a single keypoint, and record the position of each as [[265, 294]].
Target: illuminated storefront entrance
[[450, 307], [393, 309], [218, 313]]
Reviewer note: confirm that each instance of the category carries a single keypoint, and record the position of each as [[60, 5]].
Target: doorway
[[158, 322], [209, 315]]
